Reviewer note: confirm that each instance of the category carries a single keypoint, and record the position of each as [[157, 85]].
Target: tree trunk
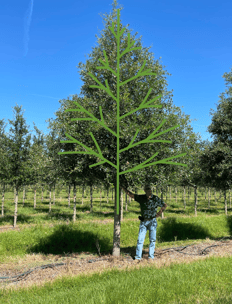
[[35, 197], [225, 202], [83, 193], [3, 193], [42, 195], [23, 195], [74, 207], [16, 205], [195, 204], [126, 201], [121, 211], [166, 194], [209, 198], [50, 200], [162, 215], [230, 197], [91, 198], [54, 194], [69, 187], [184, 199], [117, 224], [107, 195]]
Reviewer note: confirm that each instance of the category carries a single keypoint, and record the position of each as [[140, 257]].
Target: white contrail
[[27, 22]]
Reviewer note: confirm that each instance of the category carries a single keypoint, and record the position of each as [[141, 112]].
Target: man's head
[[148, 191]]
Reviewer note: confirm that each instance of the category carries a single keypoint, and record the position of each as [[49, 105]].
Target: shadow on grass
[[171, 228], [229, 224], [68, 239]]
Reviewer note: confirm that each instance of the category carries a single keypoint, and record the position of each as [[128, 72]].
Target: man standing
[[148, 205]]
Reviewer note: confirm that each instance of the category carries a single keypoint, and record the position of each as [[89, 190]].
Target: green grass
[[203, 281], [207, 281]]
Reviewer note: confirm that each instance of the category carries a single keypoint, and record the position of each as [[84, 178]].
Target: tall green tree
[[147, 119], [117, 68], [131, 96]]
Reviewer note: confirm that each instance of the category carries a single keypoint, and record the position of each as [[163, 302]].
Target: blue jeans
[[144, 225]]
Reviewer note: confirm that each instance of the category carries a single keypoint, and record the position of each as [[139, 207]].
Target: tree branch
[[91, 152], [92, 119]]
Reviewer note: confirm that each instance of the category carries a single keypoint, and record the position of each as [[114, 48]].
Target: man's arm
[[128, 193], [162, 209]]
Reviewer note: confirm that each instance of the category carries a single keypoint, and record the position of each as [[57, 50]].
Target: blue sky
[[42, 42]]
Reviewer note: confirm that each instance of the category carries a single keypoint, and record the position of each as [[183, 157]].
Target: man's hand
[[128, 192], [161, 210]]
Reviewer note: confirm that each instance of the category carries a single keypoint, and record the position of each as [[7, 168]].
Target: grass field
[[203, 281]]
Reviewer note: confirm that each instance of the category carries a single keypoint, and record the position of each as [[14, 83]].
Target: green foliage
[[17, 147], [117, 34]]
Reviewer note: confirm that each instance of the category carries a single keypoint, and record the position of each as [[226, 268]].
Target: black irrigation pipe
[[179, 249]]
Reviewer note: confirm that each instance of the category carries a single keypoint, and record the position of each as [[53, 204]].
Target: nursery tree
[[38, 162], [53, 169], [126, 119], [145, 118], [211, 163], [131, 92], [217, 159], [18, 147], [221, 126], [4, 161], [3, 154], [69, 166]]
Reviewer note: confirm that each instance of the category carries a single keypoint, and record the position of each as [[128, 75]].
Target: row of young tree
[[166, 194], [208, 164]]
